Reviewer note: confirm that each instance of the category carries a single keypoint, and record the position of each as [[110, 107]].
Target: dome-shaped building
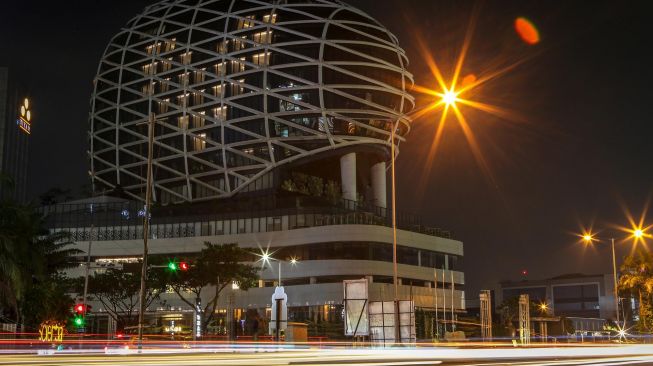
[[272, 124], [239, 88]]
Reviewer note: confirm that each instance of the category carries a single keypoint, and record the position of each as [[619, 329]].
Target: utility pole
[[435, 293], [88, 267], [146, 229], [616, 288], [395, 280]]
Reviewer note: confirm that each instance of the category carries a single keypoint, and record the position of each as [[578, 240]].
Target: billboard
[[382, 322], [356, 314]]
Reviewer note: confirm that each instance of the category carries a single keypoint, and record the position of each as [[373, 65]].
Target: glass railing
[[124, 220]]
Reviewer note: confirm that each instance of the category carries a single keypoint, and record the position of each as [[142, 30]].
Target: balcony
[[123, 220]]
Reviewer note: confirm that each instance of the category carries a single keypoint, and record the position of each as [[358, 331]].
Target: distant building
[[587, 300], [15, 128]]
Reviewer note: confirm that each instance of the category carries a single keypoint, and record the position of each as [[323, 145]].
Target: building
[[587, 300], [273, 124], [15, 128]]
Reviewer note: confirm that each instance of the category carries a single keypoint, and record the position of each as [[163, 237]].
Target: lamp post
[[590, 238], [146, 229], [278, 296], [448, 98]]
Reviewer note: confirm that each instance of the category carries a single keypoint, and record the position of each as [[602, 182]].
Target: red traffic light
[[183, 266], [79, 308]]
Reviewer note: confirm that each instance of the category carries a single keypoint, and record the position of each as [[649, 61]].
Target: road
[[272, 356]]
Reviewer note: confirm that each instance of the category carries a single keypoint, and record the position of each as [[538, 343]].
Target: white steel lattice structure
[[238, 88]]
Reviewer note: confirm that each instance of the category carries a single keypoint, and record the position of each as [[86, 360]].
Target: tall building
[[273, 124], [15, 128]]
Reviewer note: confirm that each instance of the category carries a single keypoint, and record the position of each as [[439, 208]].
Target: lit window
[[222, 46], [166, 65], [163, 105], [217, 90], [198, 120], [165, 85], [240, 43], [199, 142], [238, 65], [237, 89], [149, 69], [148, 89], [198, 97], [183, 99], [261, 59], [183, 78], [221, 69], [262, 37], [199, 75], [182, 122], [246, 22], [153, 48], [170, 45], [186, 57], [270, 18], [220, 113]]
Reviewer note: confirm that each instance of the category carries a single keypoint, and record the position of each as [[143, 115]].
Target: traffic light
[[176, 266], [79, 321], [80, 309], [172, 266]]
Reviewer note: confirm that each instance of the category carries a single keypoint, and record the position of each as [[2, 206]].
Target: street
[[269, 356]]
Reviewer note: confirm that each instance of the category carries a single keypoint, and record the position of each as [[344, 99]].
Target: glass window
[[568, 292]]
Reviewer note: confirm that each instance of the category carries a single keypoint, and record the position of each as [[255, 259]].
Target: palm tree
[[637, 279], [29, 254]]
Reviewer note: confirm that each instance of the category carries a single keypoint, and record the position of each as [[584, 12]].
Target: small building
[[586, 300]]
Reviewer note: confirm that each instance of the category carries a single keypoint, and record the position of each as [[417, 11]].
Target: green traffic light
[[172, 266], [79, 321]]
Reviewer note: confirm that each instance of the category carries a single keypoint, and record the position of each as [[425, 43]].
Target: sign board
[[382, 321], [51, 332], [356, 312], [24, 120]]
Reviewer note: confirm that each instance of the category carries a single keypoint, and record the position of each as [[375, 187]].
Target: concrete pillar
[[348, 176], [377, 172]]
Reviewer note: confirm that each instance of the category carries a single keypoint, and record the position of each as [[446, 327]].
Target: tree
[[218, 265], [30, 257], [118, 291], [637, 280], [509, 313], [54, 195]]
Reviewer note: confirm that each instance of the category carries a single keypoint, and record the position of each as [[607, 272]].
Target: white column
[[379, 184], [348, 176]]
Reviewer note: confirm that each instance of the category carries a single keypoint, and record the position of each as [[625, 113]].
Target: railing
[[123, 220]]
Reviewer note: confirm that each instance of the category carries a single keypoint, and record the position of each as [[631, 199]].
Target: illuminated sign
[[51, 332], [24, 120]]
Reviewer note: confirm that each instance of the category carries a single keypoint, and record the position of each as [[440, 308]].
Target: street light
[[266, 258], [449, 97], [590, 238]]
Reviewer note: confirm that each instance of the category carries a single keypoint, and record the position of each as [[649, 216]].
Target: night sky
[[574, 149]]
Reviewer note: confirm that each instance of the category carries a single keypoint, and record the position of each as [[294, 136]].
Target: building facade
[[587, 300], [272, 130], [15, 128]]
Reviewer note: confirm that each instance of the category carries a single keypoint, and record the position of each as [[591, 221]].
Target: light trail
[[273, 355]]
